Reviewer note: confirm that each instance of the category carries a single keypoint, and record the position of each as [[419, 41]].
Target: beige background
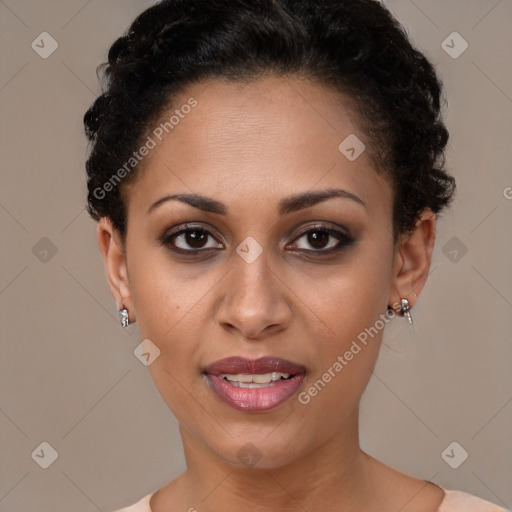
[[68, 373]]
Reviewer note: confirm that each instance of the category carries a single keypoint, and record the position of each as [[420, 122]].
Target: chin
[[257, 449]]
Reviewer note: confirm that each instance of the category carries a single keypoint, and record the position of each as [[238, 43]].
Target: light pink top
[[454, 501]]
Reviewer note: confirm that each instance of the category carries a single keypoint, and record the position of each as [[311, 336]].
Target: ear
[[412, 261], [112, 250]]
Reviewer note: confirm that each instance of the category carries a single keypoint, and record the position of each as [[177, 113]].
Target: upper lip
[[237, 364]]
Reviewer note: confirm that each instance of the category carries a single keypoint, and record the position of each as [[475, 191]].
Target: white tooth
[[241, 377], [236, 377], [263, 378], [268, 377]]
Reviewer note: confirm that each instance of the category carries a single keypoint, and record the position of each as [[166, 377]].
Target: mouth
[[254, 385]]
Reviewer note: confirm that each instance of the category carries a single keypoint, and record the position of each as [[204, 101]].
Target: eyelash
[[345, 240]]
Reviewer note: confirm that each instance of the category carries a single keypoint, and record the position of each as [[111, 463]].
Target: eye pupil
[[315, 236], [192, 237]]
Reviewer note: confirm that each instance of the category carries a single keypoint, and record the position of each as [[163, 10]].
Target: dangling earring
[[123, 317], [405, 310]]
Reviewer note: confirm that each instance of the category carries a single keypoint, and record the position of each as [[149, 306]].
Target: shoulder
[[459, 501], [140, 506]]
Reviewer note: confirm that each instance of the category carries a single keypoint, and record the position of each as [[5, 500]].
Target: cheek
[[170, 313], [349, 297], [352, 306], [161, 298]]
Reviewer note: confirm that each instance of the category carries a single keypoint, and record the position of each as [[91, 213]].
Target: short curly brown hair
[[355, 46]]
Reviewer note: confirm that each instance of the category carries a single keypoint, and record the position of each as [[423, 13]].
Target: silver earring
[[405, 310], [123, 317]]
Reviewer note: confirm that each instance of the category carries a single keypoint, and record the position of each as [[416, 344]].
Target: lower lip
[[255, 399]]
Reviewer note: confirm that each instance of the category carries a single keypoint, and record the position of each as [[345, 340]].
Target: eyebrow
[[287, 205]]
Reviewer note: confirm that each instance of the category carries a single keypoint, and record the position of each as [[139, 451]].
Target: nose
[[256, 301]]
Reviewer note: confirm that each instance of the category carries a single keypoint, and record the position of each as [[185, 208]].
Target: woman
[[266, 177]]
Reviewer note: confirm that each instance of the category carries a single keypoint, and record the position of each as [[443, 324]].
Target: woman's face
[[255, 276]]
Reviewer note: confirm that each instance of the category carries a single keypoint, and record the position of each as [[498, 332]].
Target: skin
[[249, 145]]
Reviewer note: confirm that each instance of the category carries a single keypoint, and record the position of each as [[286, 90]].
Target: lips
[[234, 365], [254, 385]]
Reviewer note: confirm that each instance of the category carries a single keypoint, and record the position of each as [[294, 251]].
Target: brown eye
[[318, 239], [190, 239], [322, 240], [196, 238]]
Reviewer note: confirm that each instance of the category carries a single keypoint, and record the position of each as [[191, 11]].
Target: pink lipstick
[[254, 385]]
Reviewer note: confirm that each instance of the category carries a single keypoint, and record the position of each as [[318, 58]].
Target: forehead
[[270, 137]]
